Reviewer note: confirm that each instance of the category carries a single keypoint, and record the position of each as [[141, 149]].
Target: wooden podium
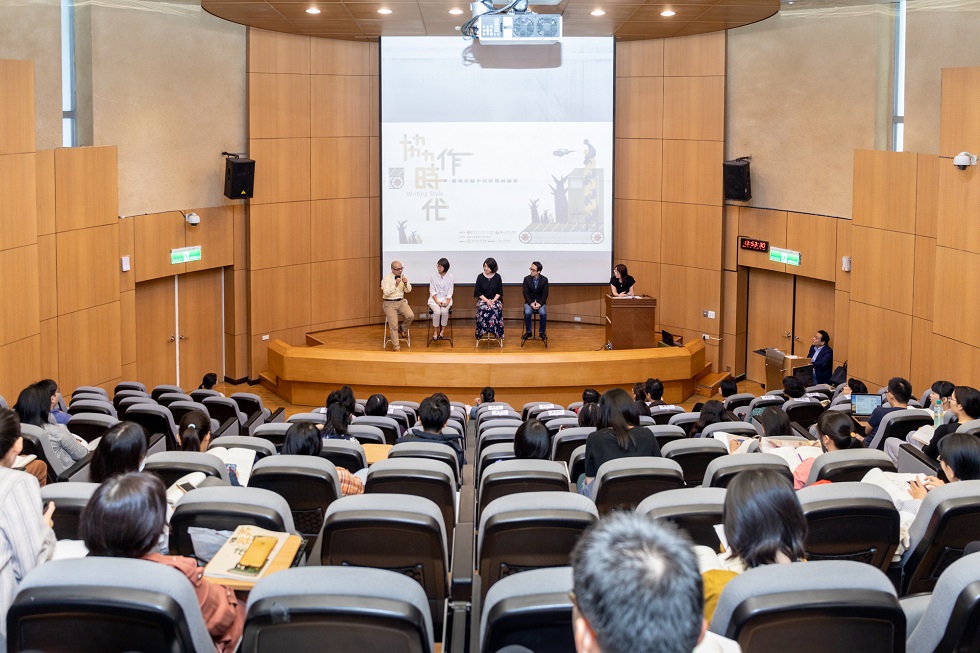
[[779, 365], [630, 322]]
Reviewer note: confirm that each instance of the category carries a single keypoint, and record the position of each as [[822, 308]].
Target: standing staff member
[[821, 357], [621, 283], [393, 288], [535, 299]]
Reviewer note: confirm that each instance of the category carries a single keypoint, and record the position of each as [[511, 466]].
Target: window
[[68, 114]]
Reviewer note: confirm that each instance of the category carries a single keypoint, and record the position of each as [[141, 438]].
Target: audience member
[[764, 524], [34, 407], [712, 412], [793, 388], [433, 415], [26, 538], [965, 404], [56, 416], [590, 396], [121, 450], [959, 460], [194, 432], [854, 386], [532, 440], [338, 421], [125, 518], [640, 399], [588, 415], [655, 392], [208, 382], [486, 397], [834, 434], [898, 394], [941, 391], [728, 387], [619, 436], [376, 406], [345, 397], [775, 422], [304, 439]]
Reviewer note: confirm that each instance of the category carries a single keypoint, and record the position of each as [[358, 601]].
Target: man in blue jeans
[[535, 298]]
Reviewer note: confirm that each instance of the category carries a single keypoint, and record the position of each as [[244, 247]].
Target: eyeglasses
[[397, 269]]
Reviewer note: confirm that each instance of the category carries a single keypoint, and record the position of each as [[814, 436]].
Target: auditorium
[[210, 211]]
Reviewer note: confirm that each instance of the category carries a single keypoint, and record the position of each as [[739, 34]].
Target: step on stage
[[575, 359]]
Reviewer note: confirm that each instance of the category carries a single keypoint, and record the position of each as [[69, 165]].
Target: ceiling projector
[[513, 24]]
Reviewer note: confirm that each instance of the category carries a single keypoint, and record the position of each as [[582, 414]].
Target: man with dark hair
[[793, 388], [728, 388], [535, 299], [821, 357], [655, 393], [897, 395], [637, 588], [433, 414]]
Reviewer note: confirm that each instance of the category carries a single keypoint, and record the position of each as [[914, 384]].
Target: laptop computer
[[864, 405], [668, 338]]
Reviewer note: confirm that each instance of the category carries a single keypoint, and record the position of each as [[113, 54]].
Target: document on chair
[[240, 458], [247, 554]]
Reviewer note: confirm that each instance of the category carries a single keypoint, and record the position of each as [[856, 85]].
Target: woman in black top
[[621, 283], [965, 403], [619, 436], [489, 292]]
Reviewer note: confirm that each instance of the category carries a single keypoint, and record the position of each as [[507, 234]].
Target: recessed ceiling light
[[598, 12], [667, 12], [384, 11], [312, 10], [455, 12]]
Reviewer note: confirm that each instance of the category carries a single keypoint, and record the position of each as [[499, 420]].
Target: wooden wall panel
[[647, 277], [700, 55], [276, 52], [339, 167], [240, 235], [87, 272], [840, 336], [278, 106], [924, 279], [770, 318], [586, 302], [44, 166], [884, 190], [959, 204], [959, 122], [236, 356], [694, 108], [339, 104], [127, 329], [334, 57], [639, 164], [926, 194], [202, 340], [215, 235], [236, 301], [637, 232], [735, 294], [47, 264], [815, 301], [337, 295], [691, 235], [86, 191], [258, 360], [20, 312], [815, 237], [279, 234], [729, 252], [18, 201], [921, 370], [639, 107], [279, 298], [957, 320], [156, 234], [127, 247], [686, 176], [844, 248], [20, 366], [761, 224], [282, 169], [17, 108], [874, 283], [49, 347], [374, 176], [89, 346], [341, 229], [640, 58], [954, 360], [880, 344], [685, 293]]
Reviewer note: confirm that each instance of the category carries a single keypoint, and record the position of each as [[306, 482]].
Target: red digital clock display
[[753, 244]]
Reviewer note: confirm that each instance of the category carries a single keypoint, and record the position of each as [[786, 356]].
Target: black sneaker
[[544, 336], [527, 336]]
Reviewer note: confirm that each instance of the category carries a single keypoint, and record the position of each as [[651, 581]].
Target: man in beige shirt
[[393, 289]]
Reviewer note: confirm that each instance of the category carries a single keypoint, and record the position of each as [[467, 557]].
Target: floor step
[[707, 385]]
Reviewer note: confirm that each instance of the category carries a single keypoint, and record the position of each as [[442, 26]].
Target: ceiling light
[[312, 10], [455, 12], [384, 11], [598, 12], [667, 13]]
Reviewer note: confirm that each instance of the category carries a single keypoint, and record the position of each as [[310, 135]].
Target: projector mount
[[512, 22]]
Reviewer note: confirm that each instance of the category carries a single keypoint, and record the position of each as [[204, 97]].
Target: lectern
[[779, 365], [630, 322]]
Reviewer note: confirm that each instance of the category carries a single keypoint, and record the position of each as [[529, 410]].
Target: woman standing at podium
[[489, 292], [621, 283]]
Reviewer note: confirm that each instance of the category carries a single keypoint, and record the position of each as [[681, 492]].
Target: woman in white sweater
[[33, 406]]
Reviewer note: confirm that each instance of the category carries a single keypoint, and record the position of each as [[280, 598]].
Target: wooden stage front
[[575, 359]]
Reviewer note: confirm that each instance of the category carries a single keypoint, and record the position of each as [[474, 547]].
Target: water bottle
[[937, 414]]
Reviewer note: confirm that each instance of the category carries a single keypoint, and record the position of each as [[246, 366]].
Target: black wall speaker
[[240, 178], [738, 184]]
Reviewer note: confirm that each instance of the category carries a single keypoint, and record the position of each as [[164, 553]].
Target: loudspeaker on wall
[[738, 184], [239, 178]]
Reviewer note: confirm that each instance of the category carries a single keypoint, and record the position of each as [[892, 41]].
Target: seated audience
[[619, 436], [941, 391], [345, 397], [376, 406], [57, 416], [728, 387], [304, 439], [640, 399], [338, 421], [834, 434], [655, 392], [854, 386], [959, 460], [433, 414], [208, 382], [26, 538], [775, 422], [532, 441], [898, 394], [965, 404], [34, 407], [712, 412], [125, 519], [194, 432], [121, 450], [486, 397], [590, 396], [764, 525], [793, 388], [588, 415]]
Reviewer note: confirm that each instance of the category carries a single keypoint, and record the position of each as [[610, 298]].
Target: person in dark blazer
[[821, 357], [535, 299]]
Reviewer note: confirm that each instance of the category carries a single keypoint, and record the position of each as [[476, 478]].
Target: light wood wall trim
[[840, 338], [694, 108], [87, 268], [339, 167], [89, 346], [959, 204], [215, 235], [339, 103], [685, 293], [955, 360], [761, 224], [691, 235], [279, 235], [86, 191], [342, 228], [920, 375], [640, 58], [47, 261], [844, 248], [959, 122], [155, 235], [880, 344], [639, 107], [637, 233], [961, 320], [699, 55], [687, 176], [335, 57], [884, 190], [278, 105], [49, 345], [20, 312], [639, 167], [875, 283], [926, 195], [127, 327], [236, 302], [18, 200], [338, 294], [279, 298], [924, 293], [815, 237], [44, 166], [282, 169], [276, 52], [240, 235], [20, 366], [17, 108], [127, 247]]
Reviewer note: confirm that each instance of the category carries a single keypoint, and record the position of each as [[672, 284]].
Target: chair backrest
[[766, 400], [951, 621], [662, 414], [92, 407], [41, 447], [667, 433], [90, 426], [735, 428], [850, 521], [898, 424], [154, 418], [624, 482], [223, 409], [433, 450], [686, 421], [495, 436], [575, 405], [530, 609], [344, 453], [576, 463], [274, 433], [497, 422], [130, 393], [163, 389], [945, 524], [560, 424], [823, 388], [106, 604], [568, 440], [124, 404], [696, 510], [260, 446], [693, 455], [803, 412], [69, 501], [180, 408], [128, 385], [722, 470], [520, 476], [168, 398], [848, 465], [387, 425], [87, 396], [352, 608], [249, 403], [738, 400], [522, 532], [201, 394], [365, 434], [90, 389], [532, 407], [308, 484], [312, 418], [548, 416], [171, 465], [971, 426], [490, 455], [420, 477]]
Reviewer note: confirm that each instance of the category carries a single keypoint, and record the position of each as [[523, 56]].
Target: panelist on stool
[[394, 286], [535, 301]]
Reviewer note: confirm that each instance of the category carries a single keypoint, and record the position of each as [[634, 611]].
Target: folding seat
[[127, 394], [128, 385], [568, 440], [826, 605], [949, 618], [575, 405], [88, 396], [685, 421], [251, 404], [536, 406], [898, 424], [90, 407], [490, 455], [431, 450], [734, 428], [90, 426], [224, 409], [520, 476], [308, 484], [172, 465], [625, 482], [155, 419], [180, 408], [850, 521], [312, 418], [576, 464], [168, 398], [803, 412], [547, 416], [398, 532], [721, 471], [945, 524], [95, 605], [769, 399], [420, 477], [274, 433], [531, 609], [364, 433], [848, 465], [696, 510], [260, 446], [561, 424], [500, 413], [163, 389], [666, 433], [825, 389], [522, 532], [387, 425], [497, 422], [912, 460], [662, 414], [69, 501], [354, 609], [401, 418], [126, 403], [693, 455], [344, 453], [36, 442], [91, 389], [225, 509], [453, 428], [496, 435], [840, 400], [492, 406], [738, 400], [201, 394]]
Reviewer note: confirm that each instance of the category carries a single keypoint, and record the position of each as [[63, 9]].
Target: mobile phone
[[185, 487]]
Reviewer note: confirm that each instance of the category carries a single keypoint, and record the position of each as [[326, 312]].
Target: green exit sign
[[187, 255], [787, 256]]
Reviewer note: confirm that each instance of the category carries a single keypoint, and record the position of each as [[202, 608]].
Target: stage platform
[[575, 359]]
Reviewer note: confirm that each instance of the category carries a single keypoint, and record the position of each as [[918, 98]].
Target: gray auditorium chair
[[666, 433], [312, 418], [576, 464], [520, 476], [685, 421], [352, 608], [90, 406], [387, 425], [804, 412], [168, 398], [693, 455], [696, 510], [251, 404], [69, 501], [200, 394], [825, 389], [260, 446], [274, 433], [850, 521], [363, 433], [531, 609], [90, 426], [564, 442], [163, 389], [661, 414], [94, 605], [91, 389], [624, 482], [420, 477], [912, 460], [950, 616], [432, 450], [155, 419], [766, 400], [497, 422], [971, 426], [811, 607], [735, 428], [129, 385], [495, 435], [532, 407], [180, 408], [559, 424], [490, 455], [348, 454], [171, 465], [308, 484], [721, 471], [848, 465], [130, 394], [575, 405], [87, 396], [224, 409], [738, 400], [898, 424], [37, 442], [547, 416]]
